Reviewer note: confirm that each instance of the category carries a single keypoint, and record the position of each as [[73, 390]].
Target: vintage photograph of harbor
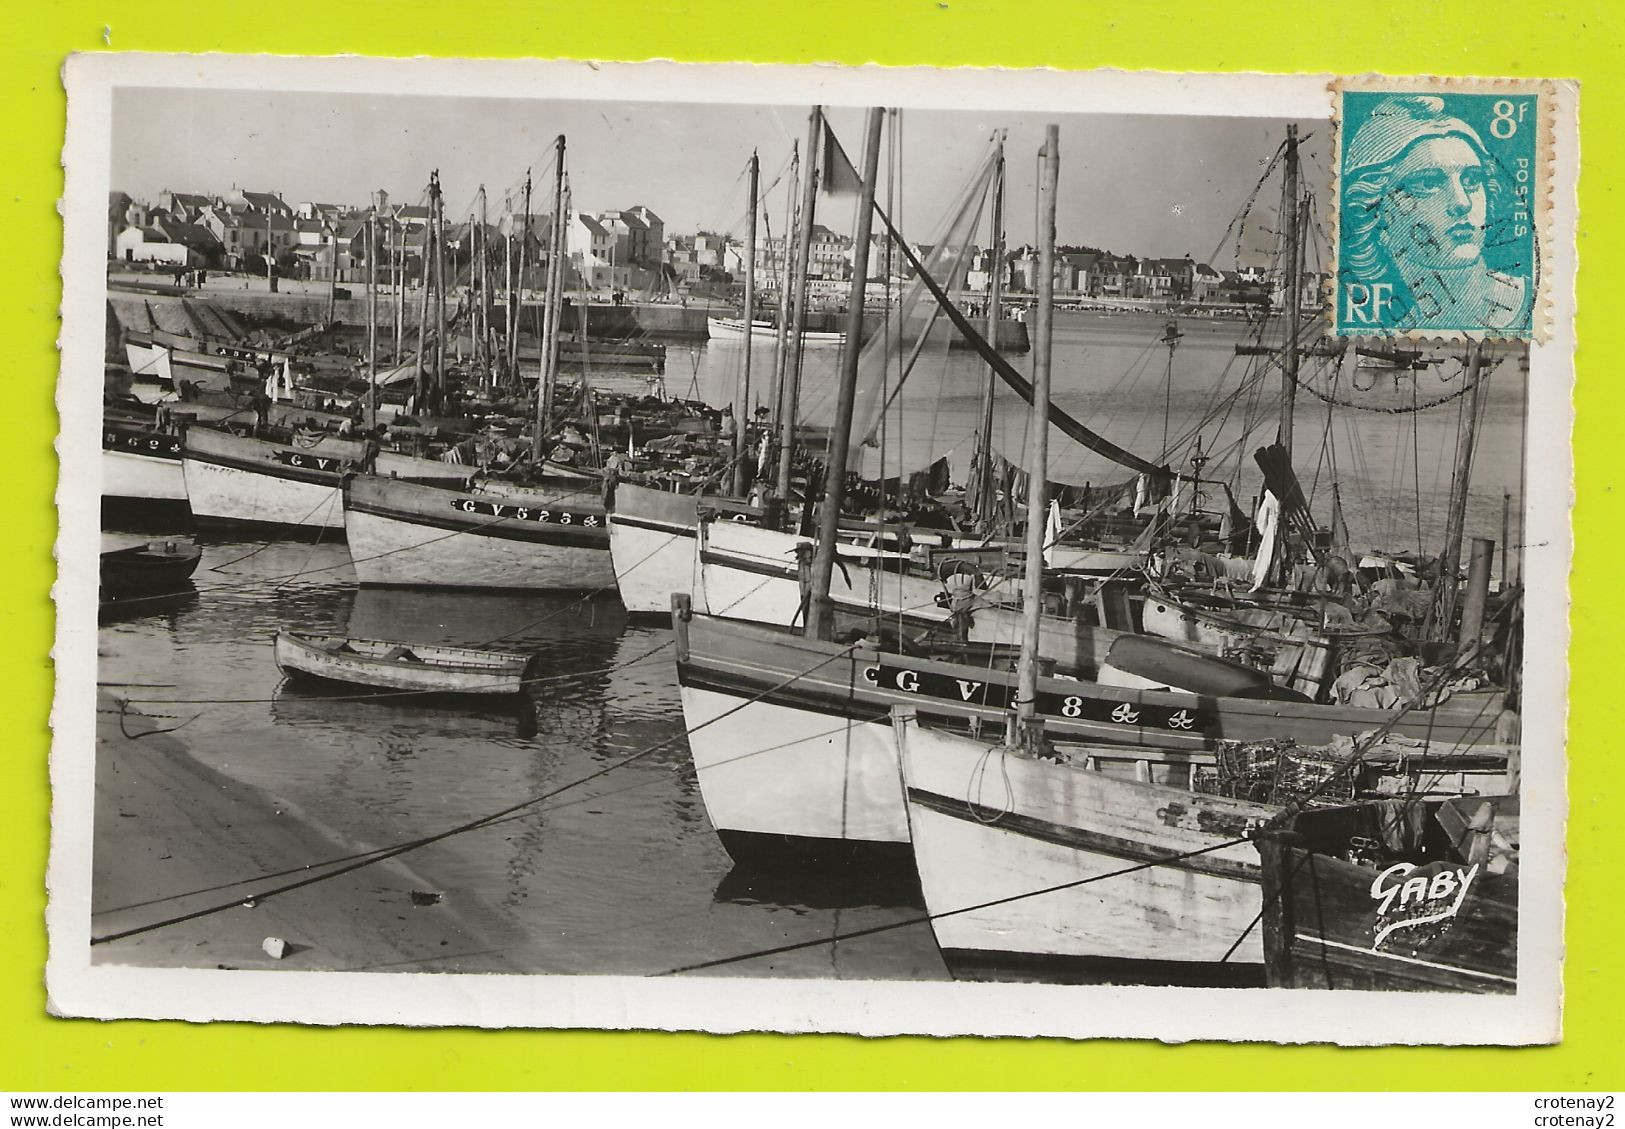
[[843, 543]]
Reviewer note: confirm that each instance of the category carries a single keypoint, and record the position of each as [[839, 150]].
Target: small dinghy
[[388, 665], [156, 567]]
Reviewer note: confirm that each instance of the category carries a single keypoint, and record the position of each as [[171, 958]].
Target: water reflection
[[846, 888]]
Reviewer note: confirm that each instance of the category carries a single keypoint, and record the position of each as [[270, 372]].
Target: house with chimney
[[261, 203], [187, 207]]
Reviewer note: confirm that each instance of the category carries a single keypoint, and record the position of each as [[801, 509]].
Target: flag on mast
[[840, 178]]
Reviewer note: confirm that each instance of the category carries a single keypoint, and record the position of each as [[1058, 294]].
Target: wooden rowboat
[[157, 566], [390, 665]]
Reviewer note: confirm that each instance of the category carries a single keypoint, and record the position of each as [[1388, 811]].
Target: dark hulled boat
[[1395, 895], [155, 567]]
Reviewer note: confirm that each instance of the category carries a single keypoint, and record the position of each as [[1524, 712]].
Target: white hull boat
[[142, 466], [494, 535], [240, 480], [735, 329], [1062, 870]]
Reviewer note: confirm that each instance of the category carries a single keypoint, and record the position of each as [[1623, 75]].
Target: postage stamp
[[1441, 190]]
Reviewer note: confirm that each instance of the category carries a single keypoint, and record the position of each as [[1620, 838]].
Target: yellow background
[[1487, 37]]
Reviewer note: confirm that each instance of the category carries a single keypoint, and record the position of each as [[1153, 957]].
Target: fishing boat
[[791, 735], [141, 469], [790, 731], [1123, 863], [733, 329], [388, 665], [243, 480], [490, 534], [653, 542], [1407, 894], [155, 567], [1022, 863]]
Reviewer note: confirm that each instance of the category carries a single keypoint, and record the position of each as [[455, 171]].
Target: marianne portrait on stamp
[[1421, 201]]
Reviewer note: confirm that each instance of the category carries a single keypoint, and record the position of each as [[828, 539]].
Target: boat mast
[[1450, 559], [742, 400], [484, 347], [397, 255], [438, 208], [782, 330], [995, 296], [423, 319], [790, 391], [1289, 352], [516, 307], [372, 317], [1027, 732], [1294, 254], [821, 610], [550, 314]]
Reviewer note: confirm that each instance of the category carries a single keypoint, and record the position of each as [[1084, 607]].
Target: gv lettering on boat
[[1439, 896], [309, 462], [526, 513]]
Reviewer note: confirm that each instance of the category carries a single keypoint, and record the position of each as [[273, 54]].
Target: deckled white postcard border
[[76, 988]]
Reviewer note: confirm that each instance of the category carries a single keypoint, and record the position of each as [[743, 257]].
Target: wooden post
[[1478, 592], [1277, 923], [333, 277], [1450, 559], [820, 612], [1028, 730], [790, 391], [742, 398], [1506, 541]]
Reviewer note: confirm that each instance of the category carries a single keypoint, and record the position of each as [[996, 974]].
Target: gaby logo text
[[1438, 896]]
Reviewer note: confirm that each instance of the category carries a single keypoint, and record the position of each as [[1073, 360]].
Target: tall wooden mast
[[742, 399], [550, 308], [423, 318], [1282, 566], [1294, 260], [397, 247], [372, 316], [782, 334], [820, 612], [1455, 525], [516, 309], [790, 391], [1027, 731], [484, 347], [984, 502], [438, 213]]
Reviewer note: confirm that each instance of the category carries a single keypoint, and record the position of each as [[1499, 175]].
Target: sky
[[1140, 184]]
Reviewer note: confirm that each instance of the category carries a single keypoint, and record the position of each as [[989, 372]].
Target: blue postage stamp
[[1441, 192]]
